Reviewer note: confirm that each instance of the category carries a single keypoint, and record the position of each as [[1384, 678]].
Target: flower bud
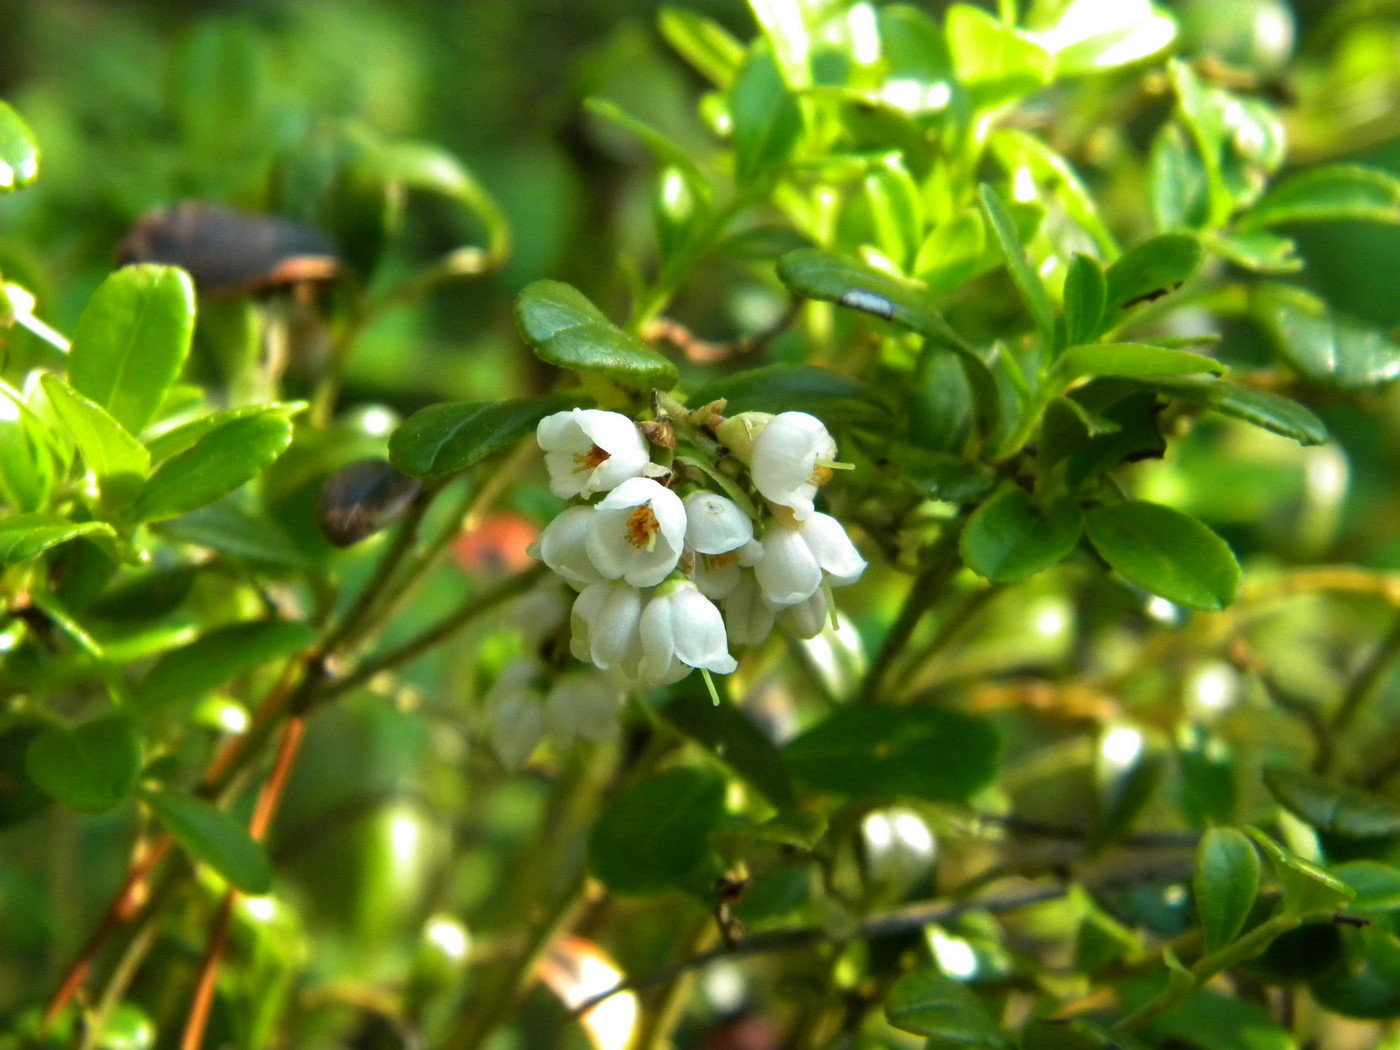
[[739, 432]]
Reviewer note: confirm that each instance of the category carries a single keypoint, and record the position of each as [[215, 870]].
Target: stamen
[[821, 473], [715, 562], [642, 528], [590, 460]]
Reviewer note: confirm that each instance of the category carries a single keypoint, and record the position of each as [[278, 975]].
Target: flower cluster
[[671, 572]]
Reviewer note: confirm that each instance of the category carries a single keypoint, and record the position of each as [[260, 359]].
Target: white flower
[[806, 619], [636, 533], [714, 524], [604, 625], [582, 705], [563, 546], [588, 450], [718, 574], [791, 457], [748, 617], [681, 628], [794, 559], [515, 712]]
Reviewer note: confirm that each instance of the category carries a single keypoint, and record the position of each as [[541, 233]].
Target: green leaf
[[1028, 282], [934, 475], [1376, 885], [1264, 409], [568, 331], [662, 145], [1012, 536], [90, 767], [1131, 360], [19, 153], [214, 837], [784, 27], [216, 657], [793, 388], [927, 1003], [702, 42], [1096, 35], [767, 121], [443, 439], [1226, 883], [1333, 808], [132, 340], [734, 739], [1306, 887], [1166, 552], [1151, 269], [1086, 294], [26, 459], [1327, 193], [1322, 347], [996, 62], [25, 536], [175, 440], [117, 461], [1367, 986], [875, 750], [221, 461], [1177, 181], [655, 836], [1259, 252], [237, 533], [1217, 1021]]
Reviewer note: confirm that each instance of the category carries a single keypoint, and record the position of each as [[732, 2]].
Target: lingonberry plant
[[910, 599]]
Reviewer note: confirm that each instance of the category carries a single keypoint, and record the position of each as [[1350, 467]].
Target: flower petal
[[788, 572], [833, 549], [715, 525]]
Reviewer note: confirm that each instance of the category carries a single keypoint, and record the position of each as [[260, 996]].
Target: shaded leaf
[[1013, 536], [1027, 281], [90, 767], [927, 1003], [1166, 552], [734, 738], [214, 837], [1325, 193], [1226, 883], [1271, 411], [216, 657], [1086, 294], [766, 119], [916, 751], [655, 836], [1260, 252], [443, 439], [1376, 885], [1334, 808], [793, 388]]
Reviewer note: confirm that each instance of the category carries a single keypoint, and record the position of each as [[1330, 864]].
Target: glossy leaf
[[446, 438], [132, 340], [1226, 883], [732, 736], [929, 1004], [25, 536], [821, 392], [1327, 193], [1096, 35], [117, 461], [19, 153], [1321, 346], [766, 118], [1333, 808], [175, 440], [568, 331], [784, 26], [1013, 536], [702, 42], [1376, 885], [1027, 281], [655, 836], [997, 62], [1368, 985], [214, 837], [1306, 887], [1165, 552], [90, 767], [1131, 360], [221, 461], [879, 751], [1086, 294], [216, 657], [1264, 409], [1150, 269]]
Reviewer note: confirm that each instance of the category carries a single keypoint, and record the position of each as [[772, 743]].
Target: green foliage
[[655, 835], [90, 767]]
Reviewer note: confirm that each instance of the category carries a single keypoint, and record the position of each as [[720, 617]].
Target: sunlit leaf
[[443, 439], [214, 837], [1165, 552], [19, 153]]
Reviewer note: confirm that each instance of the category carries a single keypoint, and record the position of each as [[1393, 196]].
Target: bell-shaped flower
[[637, 532], [605, 625], [806, 619], [796, 556], [792, 455], [563, 546], [714, 524], [747, 616], [681, 628], [588, 450], [582, 705], [515, 713]]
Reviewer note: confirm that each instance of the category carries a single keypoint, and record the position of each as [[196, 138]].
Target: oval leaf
[[1327, 193], [216, 657], [1086, 293], [568, 331], [222, 460], [1259, 407], [175, 440], [1376, 885], [117, 461], [656, 835], [1132, 359], [19, 153], [26, 536], [766, 118], [927, 1003], [1331, 807], [443, 439], [132, 340], [90, 767], [1322, 347], [210, 835], [1151, 269], [1166, 552], [1227, 881], [1306, 887], [1011, 536], [915, 751], [732, 736]]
